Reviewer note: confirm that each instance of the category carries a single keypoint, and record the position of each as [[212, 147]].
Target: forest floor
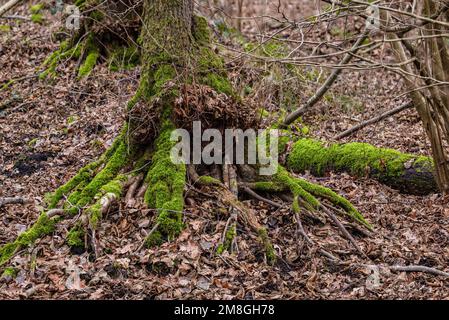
[[54, 127]]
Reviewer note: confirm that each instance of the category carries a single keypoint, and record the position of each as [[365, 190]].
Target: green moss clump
[[75, 237], [37, 18], [36, 15], [210, 66], [208, 180], [201, 30], [83, 175], [268, 186], [41, 227], [219, 83], [36, 8], [229, 238], [9, 272], [284, 178], [5, 28], [323, 192], [88, 65], [114, 189], [65, 51], [116, 162], [268, 246]]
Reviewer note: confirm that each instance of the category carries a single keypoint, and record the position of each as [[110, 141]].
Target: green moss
[[116, 162], [36, 15], [41, 227], [268, 186], [201, 30], [208, 180], [36, 8], [65, 51], [360, 159], [284, 178], [219, 83], [9, 272], [5, 28], [37, 18], [83, 175], [154, 239], [75, 237], [32, 142], [114, 189], [88, 65], [166, 181], [320, 191], [268, 246], [229, 238]]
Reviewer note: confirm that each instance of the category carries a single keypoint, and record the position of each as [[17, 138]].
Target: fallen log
[[407, 173]]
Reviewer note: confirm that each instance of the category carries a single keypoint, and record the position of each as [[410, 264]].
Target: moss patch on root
[[229, 238], [92, 55], [43, 226], [306, 194], [268, 246], [110, 171], [402, 171], [112, 189], [9, 273], [166, 181], [75, 237]]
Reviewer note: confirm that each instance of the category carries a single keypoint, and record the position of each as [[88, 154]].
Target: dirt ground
[[54, 127]]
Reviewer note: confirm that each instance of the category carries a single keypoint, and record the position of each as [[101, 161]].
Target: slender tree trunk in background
[[432, 104]]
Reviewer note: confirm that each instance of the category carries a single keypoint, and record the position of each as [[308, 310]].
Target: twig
[[374, 120], [15, 17], [259, 197], [8, 5], [303, 233], [326, 86], [342, 229], [54, 212], [149, 234], [14, 200], [420, 269]]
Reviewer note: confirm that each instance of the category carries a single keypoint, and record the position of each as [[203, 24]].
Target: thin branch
[[259, 197], [374, 120], [8, 6], [420, 269], [342, 229], [329, 82], [14, 200]]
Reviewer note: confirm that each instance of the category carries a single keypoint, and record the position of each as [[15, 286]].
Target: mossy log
[[407, 173]]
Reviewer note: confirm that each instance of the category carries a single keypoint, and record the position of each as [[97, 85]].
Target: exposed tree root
[[406, 172], [169, 87]]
